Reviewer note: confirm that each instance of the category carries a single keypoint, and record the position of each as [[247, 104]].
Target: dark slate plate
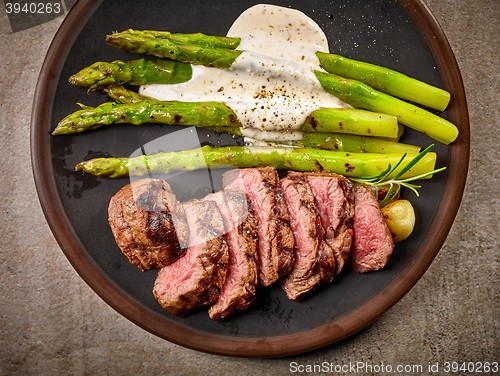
[[402, 35]]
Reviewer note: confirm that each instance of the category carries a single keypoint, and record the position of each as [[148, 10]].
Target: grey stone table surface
[[52, 323]]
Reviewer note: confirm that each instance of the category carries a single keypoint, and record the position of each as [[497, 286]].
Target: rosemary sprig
[[382, 179]]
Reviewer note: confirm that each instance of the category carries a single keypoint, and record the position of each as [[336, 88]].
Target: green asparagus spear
[[297, 159], [200, 114], [123, 95], [205, 114], [386, 80], [353, 143], [354, 121], [362, 96], [134, 72], [343, 142], [162, 47], [196, 38]]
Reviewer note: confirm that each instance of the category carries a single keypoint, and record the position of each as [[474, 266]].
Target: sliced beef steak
[[148, 223], [314, 260], [275, 246], [196, 278], [238, 291], [372, 244], [333, 195]]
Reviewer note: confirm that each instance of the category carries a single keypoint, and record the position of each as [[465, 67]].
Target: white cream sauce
[[271, 86]]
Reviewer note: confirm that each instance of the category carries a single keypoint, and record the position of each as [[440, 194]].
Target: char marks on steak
[[333, 195], [314, 260], [196, 278], [275, 245], [239, 289], [148, 223], [372, 244]]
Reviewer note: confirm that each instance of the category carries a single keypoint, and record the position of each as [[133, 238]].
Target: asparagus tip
[[59, 131]]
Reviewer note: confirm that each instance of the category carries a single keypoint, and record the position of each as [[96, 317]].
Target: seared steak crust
[[196, 278], [372, 244], [333, 195], [239, 289], [148, 223], [275, 246], [314, 260]]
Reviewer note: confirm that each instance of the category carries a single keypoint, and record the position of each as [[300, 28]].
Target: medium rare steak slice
[[333, 195], [275, 245], [314, 260], [148, 223], [239, 288], [196, 278], [372, 244]]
